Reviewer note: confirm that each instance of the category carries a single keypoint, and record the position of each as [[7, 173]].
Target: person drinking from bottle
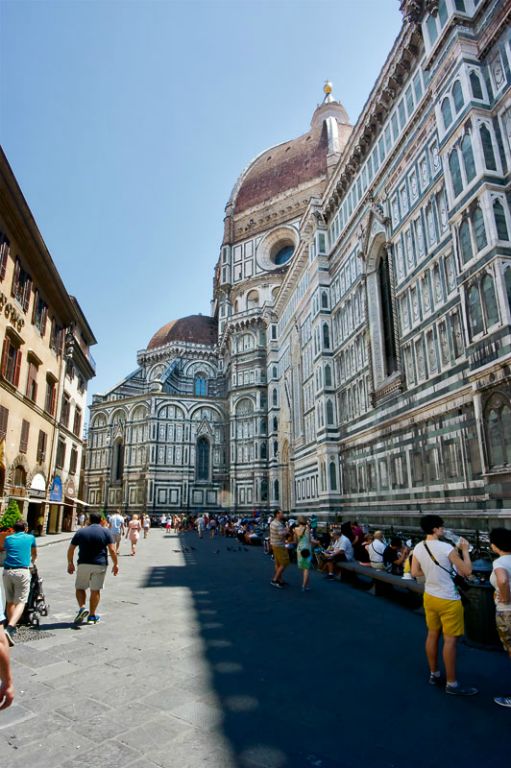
[[435, 560]]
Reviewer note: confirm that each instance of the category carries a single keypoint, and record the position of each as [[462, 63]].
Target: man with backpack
[[435, 560]]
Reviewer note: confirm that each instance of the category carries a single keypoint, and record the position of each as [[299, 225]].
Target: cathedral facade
[[357, 360]]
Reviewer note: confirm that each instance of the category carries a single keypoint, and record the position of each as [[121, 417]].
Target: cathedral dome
[[196, 329], [293, 163]]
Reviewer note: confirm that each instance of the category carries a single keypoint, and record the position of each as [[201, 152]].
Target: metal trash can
[[480, 628]]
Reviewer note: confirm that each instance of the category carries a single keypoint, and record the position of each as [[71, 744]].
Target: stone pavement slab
[[199, 662]]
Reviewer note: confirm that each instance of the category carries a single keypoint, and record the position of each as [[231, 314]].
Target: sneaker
[[436, 679], [276, 584], [93, 619], [81, 616], [458, 690], [305, 589], [10, 633], [503, 701]]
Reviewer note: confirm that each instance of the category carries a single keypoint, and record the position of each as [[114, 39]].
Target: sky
[[127, 123]]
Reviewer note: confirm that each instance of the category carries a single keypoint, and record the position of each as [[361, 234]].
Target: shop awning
[[36, 501], [78, 501]]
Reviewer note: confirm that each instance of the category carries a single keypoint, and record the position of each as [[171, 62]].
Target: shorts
[[117, 538], [503, 621], [281, 556], [16, 584], [446, 615], [90, 576], [304, 563]]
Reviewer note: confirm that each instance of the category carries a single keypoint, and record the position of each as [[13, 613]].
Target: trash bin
[[480, 628]]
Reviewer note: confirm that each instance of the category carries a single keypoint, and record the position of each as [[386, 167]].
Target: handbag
[[460, 582]]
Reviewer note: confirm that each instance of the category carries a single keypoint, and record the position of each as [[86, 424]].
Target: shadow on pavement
[[333, 678]]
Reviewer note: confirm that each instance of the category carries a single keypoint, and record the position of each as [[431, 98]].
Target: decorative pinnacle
[[327, 90]]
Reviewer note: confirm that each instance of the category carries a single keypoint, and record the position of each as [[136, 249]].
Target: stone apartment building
[[357, 360], [45, 368]]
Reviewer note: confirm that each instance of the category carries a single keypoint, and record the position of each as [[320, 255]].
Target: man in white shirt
[[376, 549], [435, 560], [341, 549]]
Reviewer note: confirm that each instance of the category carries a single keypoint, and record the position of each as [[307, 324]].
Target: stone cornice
[[379, 104], [177, 349]]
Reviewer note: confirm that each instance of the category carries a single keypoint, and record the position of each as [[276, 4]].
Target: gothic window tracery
[[497, 429], [203, 459]]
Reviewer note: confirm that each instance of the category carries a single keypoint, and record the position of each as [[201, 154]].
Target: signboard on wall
[[56, 489]]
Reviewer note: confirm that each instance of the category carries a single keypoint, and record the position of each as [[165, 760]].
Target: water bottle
[[454, 539]]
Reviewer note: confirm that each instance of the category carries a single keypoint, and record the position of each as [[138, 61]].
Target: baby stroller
[[36, 605]]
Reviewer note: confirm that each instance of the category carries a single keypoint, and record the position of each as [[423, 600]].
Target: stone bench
[[380, 583]]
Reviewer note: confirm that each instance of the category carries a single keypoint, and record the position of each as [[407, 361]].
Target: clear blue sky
[[127, 124]]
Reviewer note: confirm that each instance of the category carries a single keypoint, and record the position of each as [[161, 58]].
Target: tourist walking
[[304, 544], [117, 529], [133, 533], [278, 534], [6, 683], [500, 542], [20, 553], [94, 544], [436, 560], [146, 524], [201, 524]]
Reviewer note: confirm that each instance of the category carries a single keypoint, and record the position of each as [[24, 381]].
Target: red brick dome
[[196, 329], [292, 163]]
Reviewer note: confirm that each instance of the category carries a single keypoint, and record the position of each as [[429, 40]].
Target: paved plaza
[[200, 662]]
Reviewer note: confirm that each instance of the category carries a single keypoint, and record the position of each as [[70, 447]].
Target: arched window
[[457, 95], [200, 385], [276, 421], [276, 490], [274, 398], [454, 167], [20, 477], [117, 461], [329, 412], [475, 84], [275, 448], [324, 300], [387, 314], [465, 241], [446, 112], [474, 311], [490, 300], [489, 154], [263, 452], [328, 376], [333, 476], [264, 489], [500, 220], [252, 299], [468, 157], [326, 336], [202, 459], [479, 230], [498, 424]]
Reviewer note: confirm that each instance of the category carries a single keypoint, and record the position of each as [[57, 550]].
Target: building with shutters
[[45, 368], [359, 357]]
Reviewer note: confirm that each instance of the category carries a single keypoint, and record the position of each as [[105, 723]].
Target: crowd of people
[[437, 563], [434, 561]]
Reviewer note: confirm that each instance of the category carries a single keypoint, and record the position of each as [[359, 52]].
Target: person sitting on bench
[[341, 550]]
